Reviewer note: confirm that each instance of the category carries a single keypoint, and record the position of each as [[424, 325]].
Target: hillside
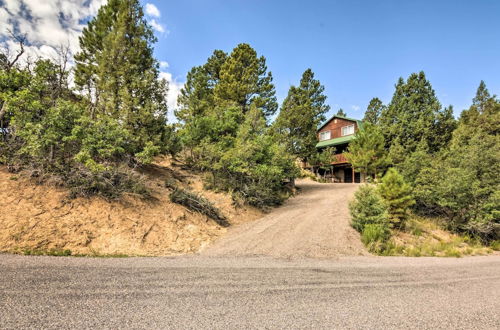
[[40, 218]]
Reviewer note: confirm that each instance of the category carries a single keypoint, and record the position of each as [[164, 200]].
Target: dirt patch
[[38, 217], [315, 223]]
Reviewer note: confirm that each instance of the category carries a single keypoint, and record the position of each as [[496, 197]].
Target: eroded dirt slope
[[315, 223], [40, 217]]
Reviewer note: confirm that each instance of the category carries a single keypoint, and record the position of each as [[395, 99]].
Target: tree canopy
[[301, 113]]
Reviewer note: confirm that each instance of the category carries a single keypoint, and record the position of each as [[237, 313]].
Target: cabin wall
[[335, 127]]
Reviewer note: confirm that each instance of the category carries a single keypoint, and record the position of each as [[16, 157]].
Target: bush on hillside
[[367, 208]]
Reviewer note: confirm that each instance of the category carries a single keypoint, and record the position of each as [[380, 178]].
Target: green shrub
[[397, 196], [367, 208], [495, 245]]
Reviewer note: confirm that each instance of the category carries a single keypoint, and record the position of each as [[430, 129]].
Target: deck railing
[[340, 159]]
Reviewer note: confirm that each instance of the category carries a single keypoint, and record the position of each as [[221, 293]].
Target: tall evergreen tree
[[301, 113], [244, 80], [373, 111], [196, 100], [415, 122], [341, 113], [482, 98], [197, 95], [117, 68], [461, 182]]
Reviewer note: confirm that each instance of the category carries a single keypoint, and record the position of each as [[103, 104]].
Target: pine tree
[[341, 113], [415, 121], [462, 182], [301, 113], [196, 101], [482, 98], [367, 151], [117, 68], [397, 197], [373, 111], [244, 81], [412, 115]]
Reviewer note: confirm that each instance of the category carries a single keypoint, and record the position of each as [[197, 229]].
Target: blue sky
[[357, 49]]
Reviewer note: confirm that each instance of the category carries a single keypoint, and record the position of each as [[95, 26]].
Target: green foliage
[[341, 113], [323, 158], [462, 182], [244, 81], [255, 167], [374, 236], [117, 69], [223, 110], [301, 113], [415, 121], [397, 196], [367, 151], [373, 111], [367, 208], [87, 140]]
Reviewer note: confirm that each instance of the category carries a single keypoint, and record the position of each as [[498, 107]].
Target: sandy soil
[[41, 218], [314, 224]]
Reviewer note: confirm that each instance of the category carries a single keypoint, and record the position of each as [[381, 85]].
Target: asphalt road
[[252, 292]]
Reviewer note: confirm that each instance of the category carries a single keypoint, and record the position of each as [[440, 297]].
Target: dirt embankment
[[41, 218]]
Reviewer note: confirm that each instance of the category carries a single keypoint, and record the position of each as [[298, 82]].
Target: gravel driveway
[[315, 223]]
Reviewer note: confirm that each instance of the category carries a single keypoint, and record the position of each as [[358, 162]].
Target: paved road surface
[[315, 224], [229, 293]]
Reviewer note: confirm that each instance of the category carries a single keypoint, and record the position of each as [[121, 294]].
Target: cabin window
[[324, 136], [348, 130]]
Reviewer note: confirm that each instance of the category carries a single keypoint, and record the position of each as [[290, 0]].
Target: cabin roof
[[360, 123], [335, 142]]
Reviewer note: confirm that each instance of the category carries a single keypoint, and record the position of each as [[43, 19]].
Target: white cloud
[[152, 10], [174, 89], [355, 107], [157, 26], [50, 24], [47, 25]]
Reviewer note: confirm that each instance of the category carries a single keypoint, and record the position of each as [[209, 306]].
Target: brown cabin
[[337, 132]]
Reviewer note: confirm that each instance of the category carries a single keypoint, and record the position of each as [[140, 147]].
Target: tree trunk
[[3, 111]]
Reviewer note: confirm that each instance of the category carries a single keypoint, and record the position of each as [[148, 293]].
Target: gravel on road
[[200, 292]]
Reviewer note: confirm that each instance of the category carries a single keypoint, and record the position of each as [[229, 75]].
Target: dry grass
[[425, 237]]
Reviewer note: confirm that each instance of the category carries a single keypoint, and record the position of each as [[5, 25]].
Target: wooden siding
[[335, 127]]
